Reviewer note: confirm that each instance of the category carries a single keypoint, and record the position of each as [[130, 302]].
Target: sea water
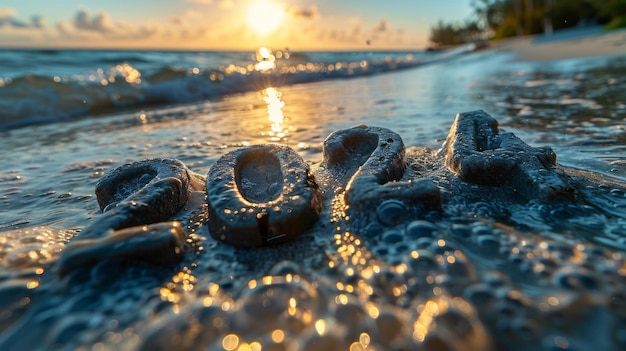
[[68, 117]]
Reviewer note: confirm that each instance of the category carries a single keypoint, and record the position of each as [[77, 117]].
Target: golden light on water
[[275, 111], [264, 17], [278, 336], [230, 342], [423, 323], [320, 327], [265, 60]]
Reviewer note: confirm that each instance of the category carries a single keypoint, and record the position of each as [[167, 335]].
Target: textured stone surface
[[159, 243], [490, 269], [142, 192], [133, 198], [480, 153], [375, 159], [261, 195]]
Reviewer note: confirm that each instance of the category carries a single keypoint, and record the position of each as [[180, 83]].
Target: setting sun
[[265, 17]]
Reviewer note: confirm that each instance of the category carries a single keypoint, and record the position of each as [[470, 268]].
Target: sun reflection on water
[[275, 113], [266, 60]]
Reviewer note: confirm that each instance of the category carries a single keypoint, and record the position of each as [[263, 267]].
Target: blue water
[[62, 129], [44, 86]]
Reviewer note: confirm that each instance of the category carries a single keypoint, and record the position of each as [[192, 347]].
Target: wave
[[34, 99]]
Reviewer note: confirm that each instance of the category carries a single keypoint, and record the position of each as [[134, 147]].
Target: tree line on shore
[[497, 19]]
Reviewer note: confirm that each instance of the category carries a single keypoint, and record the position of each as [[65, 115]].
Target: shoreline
[[565, 44]]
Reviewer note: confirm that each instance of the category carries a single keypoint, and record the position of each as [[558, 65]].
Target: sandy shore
[[573, 43]]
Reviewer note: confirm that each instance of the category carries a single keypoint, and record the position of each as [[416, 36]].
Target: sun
[[264, 17]]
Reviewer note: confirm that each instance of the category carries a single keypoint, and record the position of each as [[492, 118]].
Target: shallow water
[[575, 106]]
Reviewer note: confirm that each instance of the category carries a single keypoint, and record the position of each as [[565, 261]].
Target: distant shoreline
[[572, 43]]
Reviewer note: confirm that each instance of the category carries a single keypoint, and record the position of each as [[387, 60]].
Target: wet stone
[[134, 198], [482, 154], [385, 263], [141, 193], [245, 210], [372, 161], [160, 243]]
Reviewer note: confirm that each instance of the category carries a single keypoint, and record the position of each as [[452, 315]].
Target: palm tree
[[518, 17], [529, 16], [547, 17]]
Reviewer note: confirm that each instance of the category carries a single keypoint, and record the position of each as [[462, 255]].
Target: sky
[[225, 24]]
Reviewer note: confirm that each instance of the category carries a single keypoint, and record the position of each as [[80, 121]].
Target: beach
[[492, 270], [570, 43]]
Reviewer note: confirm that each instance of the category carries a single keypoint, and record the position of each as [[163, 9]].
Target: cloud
[[310, 12], [98, 23], [37, 21], [86, 30], [7, 13], [8, 18], [305, 27], [382, 26]]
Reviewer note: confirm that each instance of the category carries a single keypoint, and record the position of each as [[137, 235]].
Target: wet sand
[[571, 43]]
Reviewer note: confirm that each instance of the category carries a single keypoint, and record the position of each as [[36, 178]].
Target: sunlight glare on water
[[275, 112], [266, 60]]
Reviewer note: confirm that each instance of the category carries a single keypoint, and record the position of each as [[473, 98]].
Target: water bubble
[[392, 236], [575, 279], [461, 230], [392, 212], [285, 267], [373, 230], [419, 229], [423, 243], [422, 260], [480, 295], [488, 243]]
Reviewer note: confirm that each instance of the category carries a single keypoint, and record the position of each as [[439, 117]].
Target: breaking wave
[[135, 80]]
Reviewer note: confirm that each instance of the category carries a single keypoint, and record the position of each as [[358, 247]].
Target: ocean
[[46, 86], [67, 117]]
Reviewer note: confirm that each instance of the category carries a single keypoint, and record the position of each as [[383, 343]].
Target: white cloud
[[8, 18], [99, 23]]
